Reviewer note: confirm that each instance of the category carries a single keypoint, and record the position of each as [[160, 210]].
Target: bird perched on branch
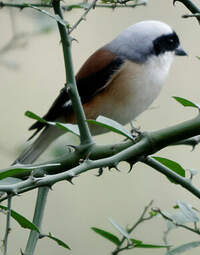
[[119, 81]]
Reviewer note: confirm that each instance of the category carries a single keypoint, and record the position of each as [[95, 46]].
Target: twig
[[57, 18], [8, 212], [169, 173], [141, 219], [190, 6], [12, 44], [70, 7], [157, 210], [191, 15], [83, 16], [193, 141], [22, 6]]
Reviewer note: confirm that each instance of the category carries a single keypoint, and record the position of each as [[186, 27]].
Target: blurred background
[[31, 77]]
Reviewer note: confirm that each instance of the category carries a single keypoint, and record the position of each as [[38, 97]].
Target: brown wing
[[91, 80]]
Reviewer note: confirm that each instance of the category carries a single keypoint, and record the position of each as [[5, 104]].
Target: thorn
[[73, 39], [81, 160], [51, 187], [15, 192], [114, 166], [136, 131], [131, 164], [100, 172], [69, 179], [131, 167], [21, 252]]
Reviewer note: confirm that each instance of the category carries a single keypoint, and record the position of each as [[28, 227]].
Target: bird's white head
[[145, 39]]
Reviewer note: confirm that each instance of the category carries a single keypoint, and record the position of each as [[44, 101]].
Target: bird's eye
[[171, 40]]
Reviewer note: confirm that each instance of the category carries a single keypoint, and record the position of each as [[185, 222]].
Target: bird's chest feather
[[130, 91]]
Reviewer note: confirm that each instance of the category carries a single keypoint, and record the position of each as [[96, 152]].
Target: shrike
[[119, 81]]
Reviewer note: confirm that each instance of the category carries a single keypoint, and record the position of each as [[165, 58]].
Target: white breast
[[137, 86], [130, 92]]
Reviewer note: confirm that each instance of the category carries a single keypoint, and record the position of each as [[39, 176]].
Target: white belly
[[130, 92]]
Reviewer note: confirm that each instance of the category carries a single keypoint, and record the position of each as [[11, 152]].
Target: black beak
[[180, 51]]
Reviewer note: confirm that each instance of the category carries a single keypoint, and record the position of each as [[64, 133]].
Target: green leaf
[[198, 57], [182, 248], [58, 241], [112, 125], [13, 172], [135, 241], [174, 166], [67, 127], [140, 244], [19, 169], [109, 236], [186, 102], [121, 229], [153, 214], [35, 117], [23, 222]]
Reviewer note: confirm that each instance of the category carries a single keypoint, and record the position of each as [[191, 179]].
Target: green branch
[[190, 6], [85, 136], [83, 16], [24, 5], [8, 213], [110, 156], [37, 220], [70, 7], [157, 210], [141, 219], [185, 183]]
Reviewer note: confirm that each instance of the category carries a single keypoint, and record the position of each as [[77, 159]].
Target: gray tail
[[34, 150]]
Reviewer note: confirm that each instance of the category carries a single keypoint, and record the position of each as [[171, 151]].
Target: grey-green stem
[[5, 241], [37, 220], [71, 87]]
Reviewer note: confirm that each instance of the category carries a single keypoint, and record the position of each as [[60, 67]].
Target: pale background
[[72, 210]]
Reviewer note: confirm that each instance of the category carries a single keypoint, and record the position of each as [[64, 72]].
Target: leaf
[[151, 246], [112, 125], [35, 117], [13, 172], [109, 236], [140, 244], [23, 222], [121, 229], [174, 166], [58, 241], [135, 241], [186, 102], [67, 127], [19, 169], [187, 210], [182, 248]]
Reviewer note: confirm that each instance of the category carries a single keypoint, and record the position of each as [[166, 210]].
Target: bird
[[119, 81]]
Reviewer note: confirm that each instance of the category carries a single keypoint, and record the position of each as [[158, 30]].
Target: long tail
[[34, 150]]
